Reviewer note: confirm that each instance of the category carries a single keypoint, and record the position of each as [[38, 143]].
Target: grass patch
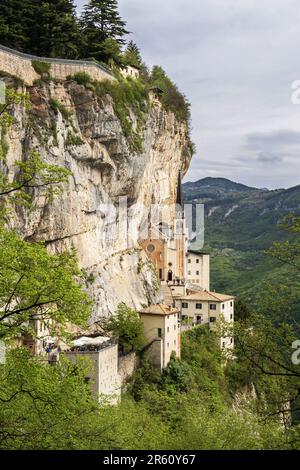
[[42, 68], [73, 139], [128, 96], [57, 105], [82, 78]]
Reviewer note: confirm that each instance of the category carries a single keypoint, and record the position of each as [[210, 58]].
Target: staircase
[[166, 294]]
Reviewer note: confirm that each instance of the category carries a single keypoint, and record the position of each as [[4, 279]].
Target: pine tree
[[57, 32], [17, 19], [103, 28], [132, 55]]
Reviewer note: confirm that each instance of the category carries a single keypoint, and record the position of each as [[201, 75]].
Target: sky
[[236, 61]]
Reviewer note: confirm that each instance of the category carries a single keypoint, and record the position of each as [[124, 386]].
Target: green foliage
[[127, 327], [47, 29], [73, 139], [45, 407], [128, 95], [132, 55], [42, 68], [103, 30], [32, 175], [82, 78], [172, 99], [16, 21], [35, 284], [191, 402], [241, 310], [66, 113], [240, 263], [12, 97]]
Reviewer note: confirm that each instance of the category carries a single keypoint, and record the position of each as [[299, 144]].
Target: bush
[[73, 139], [66, 113], [172, 99], [127, 95], [82, 78], [42, 68], [127, 327]]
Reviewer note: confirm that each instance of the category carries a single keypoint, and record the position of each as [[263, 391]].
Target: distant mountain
[[241, 222], [214, 186]]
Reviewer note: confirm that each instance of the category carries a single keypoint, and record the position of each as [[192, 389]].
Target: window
[[197, 273], [189, 260], [231, 317], [223, 306], [197, 260], [231, 340], [159, 332], [213, 319], [199, 319], [199, 306], [212, 306], [168, 345], [189, 273], [185, 305], [231, 304], [174, 342], [175, 327], [223, 345], [168, 329], [150, 248]]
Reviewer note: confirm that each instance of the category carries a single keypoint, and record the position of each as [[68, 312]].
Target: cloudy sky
[[236, 61]]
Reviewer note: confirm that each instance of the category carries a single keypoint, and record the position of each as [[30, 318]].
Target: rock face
[[91, 143]]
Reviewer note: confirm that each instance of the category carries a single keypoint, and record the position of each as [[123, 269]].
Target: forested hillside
[[240, 224]]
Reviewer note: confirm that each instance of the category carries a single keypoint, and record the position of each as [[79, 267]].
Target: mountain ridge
[[240, 225]]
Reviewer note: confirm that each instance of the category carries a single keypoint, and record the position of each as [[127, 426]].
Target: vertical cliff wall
[[90, 141]]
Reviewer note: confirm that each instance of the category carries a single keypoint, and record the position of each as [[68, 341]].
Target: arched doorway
[[170, 275]]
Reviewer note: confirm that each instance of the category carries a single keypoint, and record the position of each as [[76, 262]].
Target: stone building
[[104, 374], [208, 308], [198, 269], [162, 333], [166, 245], [130, 71]]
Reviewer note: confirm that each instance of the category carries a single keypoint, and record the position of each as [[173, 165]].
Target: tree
[[127, 327], [241, 310], [46, 407], [101, 22], [57, 32], [132, 55], [48, 28], [37, 285], [17, 21], [264, 341], [172, 99]]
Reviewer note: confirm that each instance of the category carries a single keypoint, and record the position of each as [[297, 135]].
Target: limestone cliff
[[89, 140]]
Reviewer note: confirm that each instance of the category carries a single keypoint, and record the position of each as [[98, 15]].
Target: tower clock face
[[150, 248]]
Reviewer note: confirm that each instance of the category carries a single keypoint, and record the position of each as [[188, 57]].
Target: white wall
[[198, 269]]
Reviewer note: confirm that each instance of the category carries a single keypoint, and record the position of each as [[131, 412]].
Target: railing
[[25, 56]]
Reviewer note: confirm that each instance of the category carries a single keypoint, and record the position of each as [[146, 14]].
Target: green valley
[[241, 223]]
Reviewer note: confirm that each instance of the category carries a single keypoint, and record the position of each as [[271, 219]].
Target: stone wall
[[104, 375], [20, 65], [127, 365]]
